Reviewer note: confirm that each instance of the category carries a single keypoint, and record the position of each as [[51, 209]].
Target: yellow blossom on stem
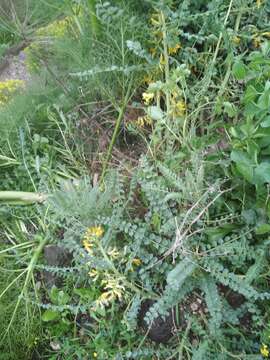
[[88, 246], [8, 87], [236, 40], [259, 3], [94, 231], [264, 350], [147, 79], [143, 120], [93, 274], [174, 50], [91, 234], [162, 61], [180, 107], [113, 253], [136, 262], [257, 42], [148, 97], [153, 51]]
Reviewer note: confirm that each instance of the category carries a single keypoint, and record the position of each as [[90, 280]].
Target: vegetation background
[[135, 171]]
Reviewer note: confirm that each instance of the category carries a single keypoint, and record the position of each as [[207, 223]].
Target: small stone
[[55, 346]]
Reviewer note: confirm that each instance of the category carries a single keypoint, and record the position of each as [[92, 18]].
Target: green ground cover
[[135, 171]]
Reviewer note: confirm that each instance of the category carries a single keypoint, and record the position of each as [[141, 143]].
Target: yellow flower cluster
[[174, 50], [136, 262], [143, 121], [264, 350], [147, 97], [57, 28], [91, 234], [236, 40], [7, 88], [178, 105], [112, 284], [113, 290]]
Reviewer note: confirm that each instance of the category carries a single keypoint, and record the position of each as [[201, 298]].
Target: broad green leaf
[[239, 156], [266, 122], [244, 164], [246, 171], [262, 229], [262, 173], [253, 150], [250, 94], [230, 109], [50, 315], [235, 132], [239, 70], [251, 109], [219, 232], [264, 101], [86, 293], [63, 298]]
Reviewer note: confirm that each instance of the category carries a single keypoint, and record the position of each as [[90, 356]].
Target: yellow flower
[[93, 274], [236, 40], [57, 28], [264, 350], [136, 262], [257, 42], [259, 3], [88, 246], [114, 291], [8, 87], [148, 97], [94, 231], [113, 253], [181, 107], [155, 20], [266, 34], [147, 79], [90, 235], [174, 50], [153, 51], [143, 120], [95, 355], [162, 61]]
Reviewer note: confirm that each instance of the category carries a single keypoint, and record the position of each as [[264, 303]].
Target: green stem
[[21, 197], [121, 114], [166, 61], [29, 274], [95, 25], [228, 72]]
